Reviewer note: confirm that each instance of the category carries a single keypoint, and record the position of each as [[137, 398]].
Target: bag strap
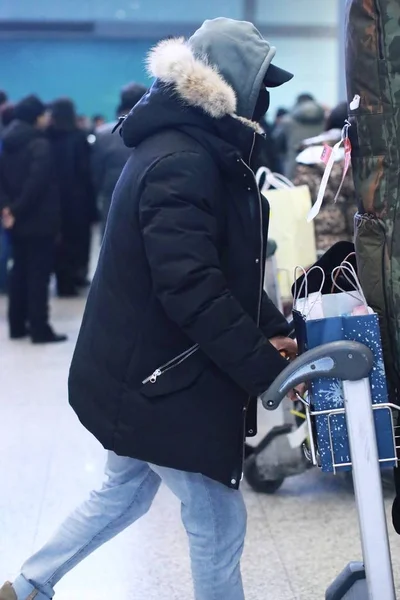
[[334, 279], [304, 283], [346, 266], [276, 180]]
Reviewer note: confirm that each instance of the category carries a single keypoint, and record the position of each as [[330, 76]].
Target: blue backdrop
[[90, 71]]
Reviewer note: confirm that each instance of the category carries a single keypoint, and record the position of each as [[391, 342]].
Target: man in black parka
[[30, 211], [174, 339]]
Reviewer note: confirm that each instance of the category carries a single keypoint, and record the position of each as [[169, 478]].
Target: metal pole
[[368, 490]]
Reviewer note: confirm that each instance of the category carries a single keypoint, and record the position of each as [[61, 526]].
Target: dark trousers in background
[[29, 285], [67, 263], [84, 246], [73, 258], [5, 255]]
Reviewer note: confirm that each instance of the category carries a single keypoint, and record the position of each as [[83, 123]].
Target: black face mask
[[262, 105]]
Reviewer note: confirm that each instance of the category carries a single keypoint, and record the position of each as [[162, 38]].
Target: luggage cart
[[281, 452], [352, 363]]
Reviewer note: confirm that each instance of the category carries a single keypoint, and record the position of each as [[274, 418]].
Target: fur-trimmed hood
[[220, 69]]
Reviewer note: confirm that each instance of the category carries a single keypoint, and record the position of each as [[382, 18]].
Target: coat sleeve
[[272, 321], [179, 230], [35, 180]]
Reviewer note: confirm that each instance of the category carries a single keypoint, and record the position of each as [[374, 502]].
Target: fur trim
[[253, 124], [198, 83]]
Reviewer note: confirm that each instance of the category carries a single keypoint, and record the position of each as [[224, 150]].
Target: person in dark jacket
[[109, 151], [175, 336], [6, 116], [306, 120], [3, 104], [31, 212], [270, 156], [72, 160]]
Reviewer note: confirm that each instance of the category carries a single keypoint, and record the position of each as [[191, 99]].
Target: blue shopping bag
[[327, 394]]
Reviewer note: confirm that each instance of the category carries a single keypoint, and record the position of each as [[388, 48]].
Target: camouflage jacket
[[373, 89], [335, 221]]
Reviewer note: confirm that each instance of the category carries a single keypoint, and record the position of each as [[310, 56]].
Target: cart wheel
[[255, 480]]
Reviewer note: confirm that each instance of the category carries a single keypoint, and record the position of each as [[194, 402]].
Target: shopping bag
[[288, 226], [327, 394]]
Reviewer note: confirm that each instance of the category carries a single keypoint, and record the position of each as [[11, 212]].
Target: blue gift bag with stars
[[327, 394]]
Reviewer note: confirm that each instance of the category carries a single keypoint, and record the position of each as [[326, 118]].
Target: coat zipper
[[261, 233], [234, 481], [174, 362]]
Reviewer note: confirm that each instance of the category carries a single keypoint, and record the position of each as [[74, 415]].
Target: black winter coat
[[27, 182], [72, 162], [174, 339]]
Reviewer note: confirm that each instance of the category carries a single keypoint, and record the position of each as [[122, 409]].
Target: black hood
[[226, 138], [17, 135]]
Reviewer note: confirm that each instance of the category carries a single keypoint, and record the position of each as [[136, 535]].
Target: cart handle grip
[[349, 361]]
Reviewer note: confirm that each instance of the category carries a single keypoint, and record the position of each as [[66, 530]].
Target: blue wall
[[137, 10], [92, 72]]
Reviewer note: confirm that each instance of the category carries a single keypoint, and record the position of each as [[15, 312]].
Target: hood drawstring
[[118, 125]]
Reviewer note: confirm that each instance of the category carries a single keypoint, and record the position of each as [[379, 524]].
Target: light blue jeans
[[214, 517]]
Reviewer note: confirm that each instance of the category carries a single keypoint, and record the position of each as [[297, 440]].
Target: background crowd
[[58, 170]]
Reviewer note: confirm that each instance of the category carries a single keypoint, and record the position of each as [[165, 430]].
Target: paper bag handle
[[304, 283], [334, 279], [357, 285], [276, 180]]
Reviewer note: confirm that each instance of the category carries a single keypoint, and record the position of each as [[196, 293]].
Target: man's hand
[[288, 348], [8, 219], [285, 346]]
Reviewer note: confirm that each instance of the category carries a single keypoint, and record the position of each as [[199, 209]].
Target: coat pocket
[[175, 375]]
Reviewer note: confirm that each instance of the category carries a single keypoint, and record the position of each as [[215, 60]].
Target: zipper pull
[[156, 374]]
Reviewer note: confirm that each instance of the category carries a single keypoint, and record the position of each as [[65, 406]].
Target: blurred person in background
[[84, 123], [109, 151], [3, 103], [279, 138], [7, 112], [280, 114], [307, 119], [335, 221], [179, 283], [269, 156], [31, 212], [71, 156], [98, 121]]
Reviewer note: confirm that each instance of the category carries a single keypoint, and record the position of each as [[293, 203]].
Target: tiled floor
[[297, 541]]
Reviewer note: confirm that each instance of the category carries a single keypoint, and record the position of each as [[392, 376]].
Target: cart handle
[[349, 361]]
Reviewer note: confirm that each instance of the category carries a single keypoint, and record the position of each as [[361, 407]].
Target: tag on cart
[[326, 154], [328, 157]]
